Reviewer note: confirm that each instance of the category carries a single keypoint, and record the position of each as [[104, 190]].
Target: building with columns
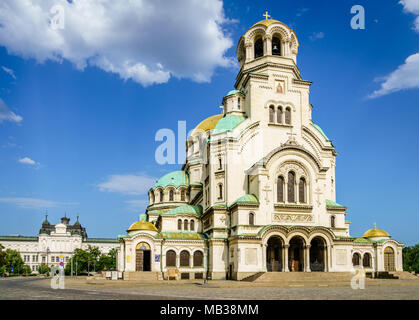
[[55, 242], [257, 192]]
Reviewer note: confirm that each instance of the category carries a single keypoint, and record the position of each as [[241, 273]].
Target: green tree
[[43, 268], [107, 261], [14, 262], [84, 260], [2, 256], [411, 258]]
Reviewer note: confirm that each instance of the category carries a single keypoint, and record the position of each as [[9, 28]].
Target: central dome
[[266, 22]]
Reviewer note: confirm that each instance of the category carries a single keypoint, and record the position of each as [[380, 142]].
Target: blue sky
[[77, 121]]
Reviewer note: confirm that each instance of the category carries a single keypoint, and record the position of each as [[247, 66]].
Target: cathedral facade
[[257, 191]]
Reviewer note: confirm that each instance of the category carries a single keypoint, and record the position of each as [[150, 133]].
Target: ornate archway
[[274, 253], [389, 264], [143, 257], [318, 254], [296, 254]]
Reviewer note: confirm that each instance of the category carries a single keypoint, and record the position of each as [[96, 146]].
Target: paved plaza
[[82, 289]]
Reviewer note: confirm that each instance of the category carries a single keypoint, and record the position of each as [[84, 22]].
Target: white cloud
[[32, 203], [316, 35], [27, 160], [10, 72], [146, 41], [127, 184], [405, 76], [412, 6], [6, 114]]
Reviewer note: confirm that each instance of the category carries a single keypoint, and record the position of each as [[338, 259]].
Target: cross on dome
[[266, 15]]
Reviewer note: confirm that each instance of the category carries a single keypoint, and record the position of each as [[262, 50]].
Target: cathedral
[[257, 191]]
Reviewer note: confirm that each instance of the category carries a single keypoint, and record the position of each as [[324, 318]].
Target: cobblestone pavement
[[80, 289]]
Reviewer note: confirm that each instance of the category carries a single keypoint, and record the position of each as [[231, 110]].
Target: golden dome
[[372, 233], [208, 124], [142, 225], [266, 22]]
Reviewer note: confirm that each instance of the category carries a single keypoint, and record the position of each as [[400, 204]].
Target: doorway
[[143, 257], [274, 254], [296, 254]]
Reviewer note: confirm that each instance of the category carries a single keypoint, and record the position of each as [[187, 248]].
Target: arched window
[[271, 114], [366, 260], [185, 225], [184, 258], [170, 258], [279, 115], [288, 115], [333, 221], [220, 163], [258, 48], [179, 224], [356, 258], [220, 191], [251, 218], [276, 46], [302, 190], [192, 223], [280, 189], [171, 195], [152, 196], [198, 259], [291, 187], [238, 103], [183, 195], [161, 195]]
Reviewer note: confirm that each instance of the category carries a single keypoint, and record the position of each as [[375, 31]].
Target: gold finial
[[266, 15], [375, 225]]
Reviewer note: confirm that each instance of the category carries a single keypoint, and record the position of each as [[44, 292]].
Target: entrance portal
[[296, 254], [317, 254], [274, 254], [143, 257], [389, 259]]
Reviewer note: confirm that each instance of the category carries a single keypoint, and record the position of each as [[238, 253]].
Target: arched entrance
[[296, 254], [318, 254], [274, 254], [356, 259], [143, 257], [389, 264]]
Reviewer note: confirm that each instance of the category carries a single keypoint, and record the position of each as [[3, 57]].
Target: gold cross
[[375, 225], [266, 15]]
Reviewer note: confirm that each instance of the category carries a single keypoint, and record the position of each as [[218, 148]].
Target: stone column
[[249, 51], [325, 259], [267, 43], [307, 258], [286, 268], [264, 248]]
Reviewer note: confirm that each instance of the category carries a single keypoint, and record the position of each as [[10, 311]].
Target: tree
[[2, 261], [107, 261], [43, 268], [84, 260], [411, 258], [13, 262]]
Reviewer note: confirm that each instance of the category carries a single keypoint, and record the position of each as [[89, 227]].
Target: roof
[[234, 92], [174, 179], [266, 22], [320, 130], [247, 199], [185, 209], [181, 235], [142, 225], [207, 124], [375, 232], [228, 123], [333, 205], [18, 238], [101, 240]]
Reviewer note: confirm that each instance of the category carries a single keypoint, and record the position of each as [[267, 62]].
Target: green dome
[[174, 179], [228, 123], [185, 209], [320, 130], [234, 92], [247, 199]]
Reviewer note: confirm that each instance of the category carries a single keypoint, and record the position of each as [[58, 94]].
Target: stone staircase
[[142, 276], [300, 277]]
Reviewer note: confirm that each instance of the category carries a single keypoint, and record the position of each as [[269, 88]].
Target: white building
[[257, 192], [53, 242]]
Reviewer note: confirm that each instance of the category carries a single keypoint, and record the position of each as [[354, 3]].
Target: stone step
[[142, 276], [302, 276]]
